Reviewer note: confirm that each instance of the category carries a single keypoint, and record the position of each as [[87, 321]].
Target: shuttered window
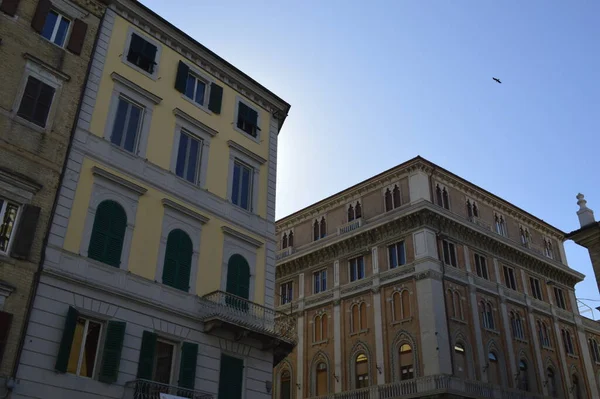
[[238, 281], [53, 25], [247, 119], [241, 189], [142, 53], [9, 7], [178, 260], [231, 377], [5, 322], [111, 356], [108, 233], [36, 101], [187, 365], [56, 28], [146, 359], [126, 128]]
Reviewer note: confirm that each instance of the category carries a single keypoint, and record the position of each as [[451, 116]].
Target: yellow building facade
[[160, 267]]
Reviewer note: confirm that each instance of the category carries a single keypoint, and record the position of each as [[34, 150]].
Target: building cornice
[[427, 215], [202, 57]]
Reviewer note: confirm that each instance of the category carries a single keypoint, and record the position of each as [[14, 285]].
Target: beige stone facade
[[463, 293], [44, 56]]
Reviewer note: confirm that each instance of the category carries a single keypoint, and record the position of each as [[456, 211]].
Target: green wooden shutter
[[187, 366], [135, 47], [41, 12], [181, 79], [111, 356], [216, 98], [64, 350], [147, 350], [238, 281], [178, 260], [108, 233], [252, 116], [231, 377]]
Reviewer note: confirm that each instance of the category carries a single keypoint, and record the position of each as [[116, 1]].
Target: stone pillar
[[537, 345], [587, 359], [481, 353], [566, 379], [378, 320], [467, 259], [573, 301], [336, 273], [337, 345], [508, 339], [419, 187], [301, 286], [300, 359]]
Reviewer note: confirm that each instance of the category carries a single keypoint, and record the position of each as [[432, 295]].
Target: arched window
[[323, 227], [445, 198], [358, 210], [178, 260], [321, 383], [568, 342], [475, 210], [355, 318], [517, 325], [459, 307], [285, 385], [469, 209], [407, 371], [576, 387], [291, 239], [543, 334], [238, 282], [594, 349], [396, 195], [460, 361], [361, 371], [438, 195], [523, 375], [350, 213], [487, 315], [284, 241], [500, 225], [316, 235], [388, 200], [108, 233], [320, 332], [397, 306], [493, 368], [552, 382], [363, 316], [405, 304]]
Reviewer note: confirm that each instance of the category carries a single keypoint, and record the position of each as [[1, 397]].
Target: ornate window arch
[[319, 228], [495, 364], [320, 327], [401, 306], [280, 383], [487, 314], [354, 210], [359, 366], [403, 337], [320, 359], [553, 379], [442, 196], [526, 377], [594, 349], [568, 343], [455, 301], [392, 197], [577, 384], [358, 317], [517, 326], [462, 349]]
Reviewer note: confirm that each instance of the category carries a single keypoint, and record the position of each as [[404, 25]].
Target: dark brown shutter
[[5, 321], [215, 99], [77, 36], [25, 232], [9, 7], [181, 79], [39, 18]]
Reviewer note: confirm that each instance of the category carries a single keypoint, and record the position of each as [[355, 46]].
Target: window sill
[[54, 44], [30, 125], [364, 331], [152, 75], [458, 320], [5, 258], [186, 181], [548, 348], [492, 330], [356, 281], [195, 104], [242, 209], [572, 356], [405, 320], [245, 134], [323, 342], [522, 340], [123, 151]]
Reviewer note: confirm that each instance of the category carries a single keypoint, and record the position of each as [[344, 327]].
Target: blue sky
[[374, 85]]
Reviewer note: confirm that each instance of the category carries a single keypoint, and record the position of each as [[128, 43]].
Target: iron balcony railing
[[431, 385], [350, 226], [145, 389], [255, 317]]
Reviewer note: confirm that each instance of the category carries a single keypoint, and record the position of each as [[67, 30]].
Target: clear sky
[[373, 84]]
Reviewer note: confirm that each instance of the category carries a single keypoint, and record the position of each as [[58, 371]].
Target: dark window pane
[[91, 345], [235, 189], [401, 255], [393, 259], [200, 88], [61, 34], [246, 189], [189, 87], [181, 152], [119, 126], [192, 161], [132, 128], [49, 25], [163, 362]]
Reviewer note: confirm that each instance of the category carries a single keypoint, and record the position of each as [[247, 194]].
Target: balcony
[[275, 330], [350, 226], [144, 389], [282, 253], [434, 385]]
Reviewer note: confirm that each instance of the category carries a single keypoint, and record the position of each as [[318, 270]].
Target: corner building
[[417, 283], [160, 266]]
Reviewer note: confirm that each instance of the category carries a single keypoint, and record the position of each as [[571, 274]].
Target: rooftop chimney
[[585, 214]]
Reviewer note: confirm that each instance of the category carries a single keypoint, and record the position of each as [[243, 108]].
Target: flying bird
[[497, 80]]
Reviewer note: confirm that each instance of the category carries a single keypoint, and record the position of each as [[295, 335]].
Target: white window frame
[[449, 243], [320, 273], [395, 245], [284, 300], [536, 288], [47, 76], [487, 272], [350, 268], [442, 188], [562, 300], [15, 225], [247, 103], [503, 229], [61, 16], [196, 73], [130, 32], [98, 352], [509, 272], [174, 359], [238, 153]]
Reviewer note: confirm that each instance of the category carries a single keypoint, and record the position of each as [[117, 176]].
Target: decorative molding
[[118, 180], [138, 89], [59, 74], [167, 203], [247, 152], [234, 347], [190, 119], [19, 181], [234, 233], [95, 306]]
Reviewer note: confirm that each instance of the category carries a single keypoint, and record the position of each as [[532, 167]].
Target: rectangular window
[[241, 191], [509, 278], [286, 292], [188, 158], [320, 281], [397, 254], [247, 119], [141, 53], [8, 217], [36, 101], [56, 28], [560, 298], [449, 253], [195, 89], [162, 368], [357, 268], [85, 348], [481, 266], [536, 289], [127, 125]]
